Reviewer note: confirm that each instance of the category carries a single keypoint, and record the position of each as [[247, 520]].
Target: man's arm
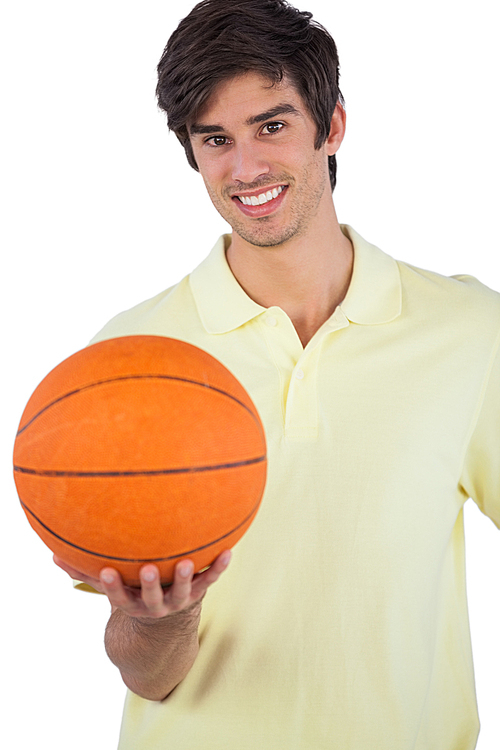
[[152, 634]]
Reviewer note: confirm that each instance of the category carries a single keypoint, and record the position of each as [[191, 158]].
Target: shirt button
[[299, 374], [271, 321]]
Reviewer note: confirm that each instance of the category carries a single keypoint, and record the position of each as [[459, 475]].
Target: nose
[[248, 163]]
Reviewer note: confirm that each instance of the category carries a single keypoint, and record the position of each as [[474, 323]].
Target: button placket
[[301, 417], [297, 368], [284, 347]]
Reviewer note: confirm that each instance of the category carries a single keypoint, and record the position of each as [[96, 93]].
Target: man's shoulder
[[457, 297]]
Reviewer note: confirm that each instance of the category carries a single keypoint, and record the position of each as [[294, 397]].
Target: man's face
[[254, 146]]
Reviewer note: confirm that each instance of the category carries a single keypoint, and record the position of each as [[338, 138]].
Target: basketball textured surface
[[140, 449]]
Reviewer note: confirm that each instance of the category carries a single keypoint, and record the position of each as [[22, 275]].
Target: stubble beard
[[260, 232]]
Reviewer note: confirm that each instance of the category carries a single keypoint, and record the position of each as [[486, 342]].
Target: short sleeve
[[481, 469]]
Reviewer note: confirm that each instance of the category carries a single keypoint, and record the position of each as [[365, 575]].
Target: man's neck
[[307, 276]]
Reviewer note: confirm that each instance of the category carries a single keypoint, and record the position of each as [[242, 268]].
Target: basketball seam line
[[143, 560], [146, 473], [136, 377]]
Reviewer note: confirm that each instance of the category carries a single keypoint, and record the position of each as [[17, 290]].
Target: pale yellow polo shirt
[[341, 623]]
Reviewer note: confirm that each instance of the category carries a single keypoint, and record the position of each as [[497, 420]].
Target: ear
[[337, 130]]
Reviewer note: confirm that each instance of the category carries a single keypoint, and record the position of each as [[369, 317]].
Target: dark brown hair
[[221, 39]]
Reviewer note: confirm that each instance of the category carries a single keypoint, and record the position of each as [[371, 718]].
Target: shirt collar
[[375, 292], [373, 297], [221, 302]]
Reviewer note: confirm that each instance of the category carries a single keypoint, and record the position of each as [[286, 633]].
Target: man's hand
[[152, 634], [151, 600]]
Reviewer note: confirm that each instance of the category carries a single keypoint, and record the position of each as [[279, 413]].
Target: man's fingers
[[64, 566], [151, 590], [179, 594], [76, 575], [202, 581], [152, 600], [219, 565], [221, 562], [115, 590]]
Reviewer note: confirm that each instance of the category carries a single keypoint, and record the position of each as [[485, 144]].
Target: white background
[[100, 210]]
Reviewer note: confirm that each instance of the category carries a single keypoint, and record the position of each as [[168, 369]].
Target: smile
[[259, 200]]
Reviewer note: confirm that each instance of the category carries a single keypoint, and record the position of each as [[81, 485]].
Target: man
[[341, 622]]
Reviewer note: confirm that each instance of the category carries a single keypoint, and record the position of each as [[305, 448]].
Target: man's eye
[[272, 127], [217, 140]]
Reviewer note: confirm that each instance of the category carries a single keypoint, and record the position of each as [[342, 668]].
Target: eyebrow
[[280, 109]]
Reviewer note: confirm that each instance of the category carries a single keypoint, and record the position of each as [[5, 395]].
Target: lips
[[261, 203], [259, 200]]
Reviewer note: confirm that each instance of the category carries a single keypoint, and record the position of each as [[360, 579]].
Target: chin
[[266, 237]]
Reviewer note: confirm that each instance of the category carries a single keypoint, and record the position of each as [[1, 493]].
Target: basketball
[[140, 449]]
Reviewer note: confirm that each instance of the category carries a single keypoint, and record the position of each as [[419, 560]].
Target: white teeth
[[263, 197]]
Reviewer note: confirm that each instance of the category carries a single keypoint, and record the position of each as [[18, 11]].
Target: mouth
[[261, 204]]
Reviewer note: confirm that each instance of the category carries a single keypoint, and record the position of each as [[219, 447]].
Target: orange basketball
[[140, 449]]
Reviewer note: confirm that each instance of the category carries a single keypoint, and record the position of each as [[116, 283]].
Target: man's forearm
[[153, 655]]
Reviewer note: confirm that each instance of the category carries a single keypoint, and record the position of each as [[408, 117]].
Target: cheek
[[215, 193], [317, 166], [213, 174]]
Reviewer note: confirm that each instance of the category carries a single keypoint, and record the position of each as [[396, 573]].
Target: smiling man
[[341, 622], [255, 154], [268, 180]]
